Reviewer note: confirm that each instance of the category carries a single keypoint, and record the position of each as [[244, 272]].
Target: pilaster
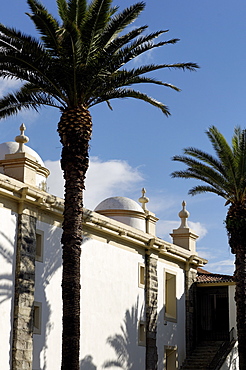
[[190, 303], [22, 348]]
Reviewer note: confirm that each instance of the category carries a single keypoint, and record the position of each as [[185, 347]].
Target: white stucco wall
[[232, 309], [232, 360], [111, 304], [171, 333], [47, 345], [8, 222]]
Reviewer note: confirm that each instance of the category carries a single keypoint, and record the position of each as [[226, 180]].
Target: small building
[[138, 292]]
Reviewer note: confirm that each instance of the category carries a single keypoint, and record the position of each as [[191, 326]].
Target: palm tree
[[225, 175], [78, 62]]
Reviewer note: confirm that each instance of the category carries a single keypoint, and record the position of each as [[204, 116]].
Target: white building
[[137, 290]]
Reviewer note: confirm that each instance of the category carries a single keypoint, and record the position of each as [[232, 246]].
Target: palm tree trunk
[[240, 297], [74, 129], [236, 227]]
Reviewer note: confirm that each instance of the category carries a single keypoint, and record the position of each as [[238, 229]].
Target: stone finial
[[184, 214], [21, 139], [143, 200]]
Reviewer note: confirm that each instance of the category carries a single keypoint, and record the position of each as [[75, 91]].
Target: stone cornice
[[32, 199]]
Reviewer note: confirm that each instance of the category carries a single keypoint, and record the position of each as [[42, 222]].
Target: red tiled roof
[[204, 276]]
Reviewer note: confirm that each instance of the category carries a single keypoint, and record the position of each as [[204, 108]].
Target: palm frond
[[88, 48], [46, 25], [199, 189], [27, 97], [123, 79], [200, 171], [62, 7], [129, 93], [76, 11], [126, 54], [224, 153], [206, 158], [95, 20], [224, 174], [118, 23]]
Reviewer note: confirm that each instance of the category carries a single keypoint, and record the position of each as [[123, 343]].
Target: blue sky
[[132, 145]]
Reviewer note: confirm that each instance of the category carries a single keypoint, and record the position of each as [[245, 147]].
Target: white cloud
[[224, 267], [111, 178], [7, 85], [104, 179], [165, 227], [161, 202], [205, 253], [198, 228]]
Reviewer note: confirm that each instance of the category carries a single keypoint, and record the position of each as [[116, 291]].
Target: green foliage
[[91, 45], [225, 174]]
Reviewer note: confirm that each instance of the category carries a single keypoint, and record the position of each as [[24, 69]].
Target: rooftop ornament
[[21, 139], [143, 200], [184, 214]]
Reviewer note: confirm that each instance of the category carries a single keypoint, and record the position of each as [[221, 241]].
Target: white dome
[[124, 210], [11, 147], [119, 203]]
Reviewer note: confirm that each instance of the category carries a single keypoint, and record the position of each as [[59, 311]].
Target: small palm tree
[[78, 62], [225, 175]]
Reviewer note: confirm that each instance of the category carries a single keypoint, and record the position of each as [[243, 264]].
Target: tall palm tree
[[78, 62], [225, 175]]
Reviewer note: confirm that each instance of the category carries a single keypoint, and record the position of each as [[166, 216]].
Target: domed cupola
[[22, 163], [129, 212], [124, 210]]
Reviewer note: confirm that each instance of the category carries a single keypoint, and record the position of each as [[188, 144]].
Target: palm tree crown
[[81, 60], [225, 174]]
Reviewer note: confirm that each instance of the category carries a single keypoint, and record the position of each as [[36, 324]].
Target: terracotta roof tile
[[204, 276]]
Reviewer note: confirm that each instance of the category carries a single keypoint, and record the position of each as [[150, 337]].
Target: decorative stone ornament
[[22, 163], [21, 139], [143, 200], [184, 214], [183, 236]]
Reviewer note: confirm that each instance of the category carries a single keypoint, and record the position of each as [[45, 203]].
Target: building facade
[[137, 290]]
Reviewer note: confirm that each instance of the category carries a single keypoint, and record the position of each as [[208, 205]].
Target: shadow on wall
[[129, 355], [86, 364], [51, 263], [7, 253], [6, 285]]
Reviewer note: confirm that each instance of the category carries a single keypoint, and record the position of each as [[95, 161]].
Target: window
[[170, 359], [37, 314], [141, 275], [141, 333], [39, 245], [170, 303]]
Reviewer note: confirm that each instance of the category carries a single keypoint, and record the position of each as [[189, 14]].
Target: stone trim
[[22, 348], [190, 304], [151, 298]]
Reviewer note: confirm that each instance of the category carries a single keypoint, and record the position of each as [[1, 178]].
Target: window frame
[[170, 310], [39, 246], [172, 349], [141, 275], [37, 317], [142, 334]]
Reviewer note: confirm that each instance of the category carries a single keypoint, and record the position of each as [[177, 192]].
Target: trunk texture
[[151, 296], [236, 227], [74, 129]]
